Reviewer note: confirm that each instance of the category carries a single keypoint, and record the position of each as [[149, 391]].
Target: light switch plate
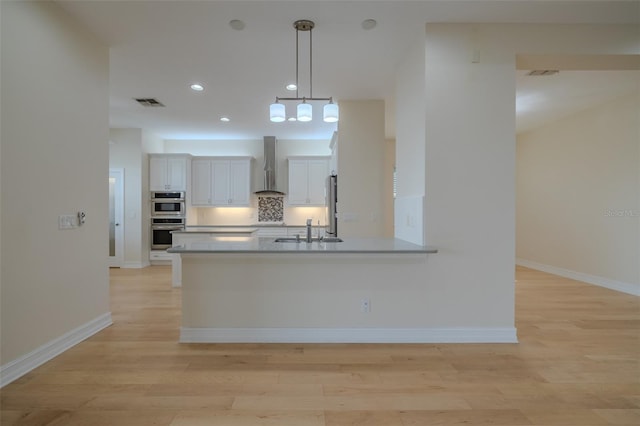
[[67, 221]]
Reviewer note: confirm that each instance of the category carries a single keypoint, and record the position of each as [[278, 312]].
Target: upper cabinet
[[201, 182], [168, 172], [221, 181], [307, 180], [240, 182]]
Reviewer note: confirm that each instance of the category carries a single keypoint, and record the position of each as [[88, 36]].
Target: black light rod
[[303, 99]]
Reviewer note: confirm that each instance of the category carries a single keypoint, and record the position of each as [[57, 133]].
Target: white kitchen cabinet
[[307, 180], [221, 181], [201, 182], [239, 182], [160, 257], [168, 172]]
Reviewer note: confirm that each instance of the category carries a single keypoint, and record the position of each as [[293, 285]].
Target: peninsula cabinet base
[[330, 298]]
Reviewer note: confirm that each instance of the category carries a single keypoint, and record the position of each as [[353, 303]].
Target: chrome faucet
[[308, 230]]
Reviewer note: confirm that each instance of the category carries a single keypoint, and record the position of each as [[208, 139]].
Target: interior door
[[116, 218]]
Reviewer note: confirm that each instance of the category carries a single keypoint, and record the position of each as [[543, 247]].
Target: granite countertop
[[265, 245], [217, 230]]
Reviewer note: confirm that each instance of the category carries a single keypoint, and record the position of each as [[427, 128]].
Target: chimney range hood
[[269, 185]]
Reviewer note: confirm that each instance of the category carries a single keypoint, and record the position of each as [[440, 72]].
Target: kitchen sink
[[302, 240], [287, 240]]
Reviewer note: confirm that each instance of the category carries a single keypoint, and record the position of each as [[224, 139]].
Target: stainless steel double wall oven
[[168, 213]]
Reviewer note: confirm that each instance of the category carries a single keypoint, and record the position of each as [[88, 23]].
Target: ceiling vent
[[543, 72], [149, 102]]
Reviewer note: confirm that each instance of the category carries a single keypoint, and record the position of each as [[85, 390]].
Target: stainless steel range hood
[[270, 166]]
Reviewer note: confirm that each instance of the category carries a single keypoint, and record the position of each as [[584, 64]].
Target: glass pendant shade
[[304, 112], [330, 113], [277, 112]]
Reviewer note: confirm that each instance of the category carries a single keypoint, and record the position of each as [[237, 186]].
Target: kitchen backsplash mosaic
[[270, 209]]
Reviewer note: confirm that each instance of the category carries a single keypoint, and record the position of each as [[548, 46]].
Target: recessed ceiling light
[[196, 87], [225, 119], [292, 119], [291, 86], [369, 24], [236, 24]]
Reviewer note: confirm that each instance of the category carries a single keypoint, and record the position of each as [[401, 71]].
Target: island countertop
[[266, 245]]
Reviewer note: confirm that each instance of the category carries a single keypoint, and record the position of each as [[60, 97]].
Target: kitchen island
[[253, 289], [206, 233], [200, 233]]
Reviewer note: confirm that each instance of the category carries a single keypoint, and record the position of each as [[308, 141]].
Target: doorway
[[116, 216], [575, 163]]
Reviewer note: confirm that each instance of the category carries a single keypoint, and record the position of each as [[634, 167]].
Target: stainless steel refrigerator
[[332, 206]]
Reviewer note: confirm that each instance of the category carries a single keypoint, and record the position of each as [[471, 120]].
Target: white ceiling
[[542, 99], [158, 48]]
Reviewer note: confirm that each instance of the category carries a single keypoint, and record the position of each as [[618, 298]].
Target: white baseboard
[[135, 265], [21, 366], [623, 287], [348, 335]]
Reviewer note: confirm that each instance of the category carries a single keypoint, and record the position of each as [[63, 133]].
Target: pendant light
[[305, 111], [277, 110], [330, 113]]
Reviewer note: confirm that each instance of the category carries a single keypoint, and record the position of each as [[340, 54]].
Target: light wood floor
[[577, 363]]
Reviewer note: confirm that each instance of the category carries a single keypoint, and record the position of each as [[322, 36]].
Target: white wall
[[151, 143], [125, 152], [255, 149], [578, 193], [469, 157], [129, 150], [362, 170], [410, 123], [410, 149], [387, 188], [54, 161], [469, 173]]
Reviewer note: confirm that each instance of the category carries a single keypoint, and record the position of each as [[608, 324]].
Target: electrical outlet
[[365, 305]]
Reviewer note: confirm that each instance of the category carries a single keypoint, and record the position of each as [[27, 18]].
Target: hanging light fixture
[[305, 111], [330, 112], [277, 110]]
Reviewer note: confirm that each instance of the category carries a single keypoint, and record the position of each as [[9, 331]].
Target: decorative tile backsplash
[[270, 208]]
